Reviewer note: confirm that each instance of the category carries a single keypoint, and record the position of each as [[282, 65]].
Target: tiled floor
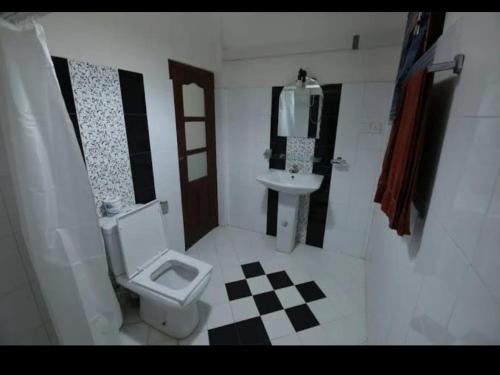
[[257, 295]]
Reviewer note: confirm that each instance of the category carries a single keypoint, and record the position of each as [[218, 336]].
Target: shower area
[[55, 286]]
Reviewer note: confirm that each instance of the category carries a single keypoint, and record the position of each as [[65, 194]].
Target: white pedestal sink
[[290, 186]]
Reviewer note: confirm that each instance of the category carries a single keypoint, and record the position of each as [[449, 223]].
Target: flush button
[[284, 223]]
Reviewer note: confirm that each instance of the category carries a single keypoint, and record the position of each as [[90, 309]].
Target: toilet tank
[[112, 245]]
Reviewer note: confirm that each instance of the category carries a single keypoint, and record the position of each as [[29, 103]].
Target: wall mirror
[[300, 106]]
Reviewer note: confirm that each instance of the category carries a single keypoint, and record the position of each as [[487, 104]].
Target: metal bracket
[[164, 207]]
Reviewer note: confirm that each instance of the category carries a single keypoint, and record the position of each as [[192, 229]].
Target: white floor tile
[[314, 336], [289, 297], [350, 330], [134, 334], [215, 294], [159, 338], [244, 308], [292, 339], [340, 277], [277, 324], [298, 276], [325, 310], [196, 338], [219, 315], [231, 274], [130, 314], [277, 263], [259, 284]]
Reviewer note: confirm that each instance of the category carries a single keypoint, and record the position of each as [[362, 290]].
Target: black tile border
[[134, 107], [324, 149], [61, 68]]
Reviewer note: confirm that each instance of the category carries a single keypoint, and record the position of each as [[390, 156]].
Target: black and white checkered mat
[[270, 293]]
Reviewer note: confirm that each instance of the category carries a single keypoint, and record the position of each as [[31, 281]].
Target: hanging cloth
[[396, 183], [53, 196]]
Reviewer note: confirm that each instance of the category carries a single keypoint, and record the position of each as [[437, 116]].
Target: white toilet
[[169, 283]]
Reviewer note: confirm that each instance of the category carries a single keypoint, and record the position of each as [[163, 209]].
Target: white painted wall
[[143, 43], [441, 285]]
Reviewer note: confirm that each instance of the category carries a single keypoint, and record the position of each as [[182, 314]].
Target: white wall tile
[[456, 255], [476, 318], [352, 190], [476, 183], [487, 261]]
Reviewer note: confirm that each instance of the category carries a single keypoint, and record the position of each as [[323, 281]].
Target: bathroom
[[183, 124]]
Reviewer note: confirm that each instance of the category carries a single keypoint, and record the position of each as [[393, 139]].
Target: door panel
[[195, 122]]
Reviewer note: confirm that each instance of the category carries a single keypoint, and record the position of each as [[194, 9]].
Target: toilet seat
[[145, 278], [146, 257]]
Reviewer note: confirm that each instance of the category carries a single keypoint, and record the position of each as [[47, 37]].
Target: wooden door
[[195, 122]]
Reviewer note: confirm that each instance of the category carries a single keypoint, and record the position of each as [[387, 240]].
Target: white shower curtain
[[53, 195]]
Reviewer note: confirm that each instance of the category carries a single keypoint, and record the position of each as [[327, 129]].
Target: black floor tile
[[267, 302], [310, 291], [238, 289], [301, 317], [252, 332], [279, 280], [252, 269], [224, 335]]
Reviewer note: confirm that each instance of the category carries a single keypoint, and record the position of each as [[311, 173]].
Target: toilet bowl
[[168, 283]]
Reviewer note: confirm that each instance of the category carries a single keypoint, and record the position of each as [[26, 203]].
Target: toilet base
[[175, 322]]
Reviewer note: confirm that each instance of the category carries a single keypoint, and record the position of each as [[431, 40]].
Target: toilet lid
[[142, 236]]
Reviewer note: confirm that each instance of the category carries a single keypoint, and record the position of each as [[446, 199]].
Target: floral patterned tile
[[99, 108]]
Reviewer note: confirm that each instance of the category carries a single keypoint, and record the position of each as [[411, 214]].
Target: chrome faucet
[[294, 169]]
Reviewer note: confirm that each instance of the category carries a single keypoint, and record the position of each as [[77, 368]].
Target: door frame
[[181, 74]]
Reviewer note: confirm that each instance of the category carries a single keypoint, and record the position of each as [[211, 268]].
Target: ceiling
[[253, 34]]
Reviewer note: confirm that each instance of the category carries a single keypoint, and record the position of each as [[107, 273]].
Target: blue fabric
[[413, 51]]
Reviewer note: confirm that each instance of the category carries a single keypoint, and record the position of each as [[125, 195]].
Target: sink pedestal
[[288, 205], [289, 187]]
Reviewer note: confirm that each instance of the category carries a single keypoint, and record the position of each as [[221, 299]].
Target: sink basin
[[290, 183]]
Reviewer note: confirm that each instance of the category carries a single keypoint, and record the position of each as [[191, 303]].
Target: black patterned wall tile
[[277, 145], [64, 79], [272, 212], [136, 124], [62, 73], [324, 149], [318, 209], [137, 133], [142, 170], [133, 96], [145, 195]]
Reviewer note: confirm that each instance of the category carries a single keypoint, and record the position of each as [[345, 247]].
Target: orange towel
[[396, 184]]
